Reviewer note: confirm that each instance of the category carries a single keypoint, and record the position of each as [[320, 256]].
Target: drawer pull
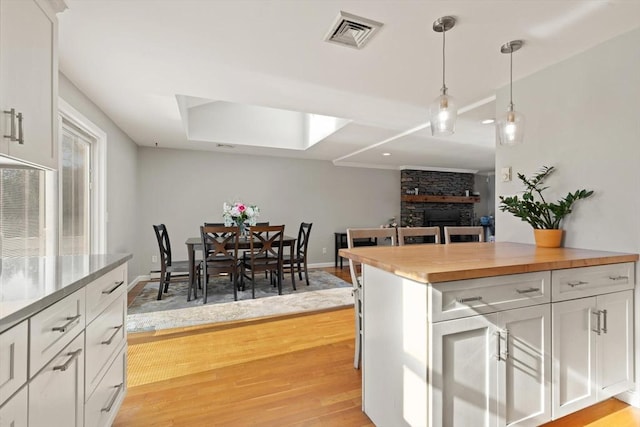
[[527, 291], [65, 366], [64, 327], [12, 134], [619, 277], [114, 398], [604, 321], [498, 351], [574, 284], [470, 299], [117, 329], [116, 286]]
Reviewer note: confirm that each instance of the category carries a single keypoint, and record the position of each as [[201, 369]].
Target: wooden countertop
[[430, 263]]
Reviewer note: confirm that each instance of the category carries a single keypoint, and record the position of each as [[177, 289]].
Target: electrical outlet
[[154, 258], [324, 250]]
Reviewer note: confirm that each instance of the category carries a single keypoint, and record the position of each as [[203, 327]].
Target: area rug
[[173, 311]]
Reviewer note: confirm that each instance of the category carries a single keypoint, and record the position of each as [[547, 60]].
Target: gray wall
[[184, 188], [583, 116], [121, 173], [485, 184]]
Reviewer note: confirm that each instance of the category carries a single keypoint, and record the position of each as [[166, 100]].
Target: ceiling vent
[[351, 30]]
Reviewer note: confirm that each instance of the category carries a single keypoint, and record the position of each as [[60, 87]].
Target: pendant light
[[511, 126], [443, 111]]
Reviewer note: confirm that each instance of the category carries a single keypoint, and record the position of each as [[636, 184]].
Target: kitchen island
[[488, 334], [63, 340]]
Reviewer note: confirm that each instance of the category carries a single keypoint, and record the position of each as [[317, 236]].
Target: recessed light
[[386, 154], [488, 121]]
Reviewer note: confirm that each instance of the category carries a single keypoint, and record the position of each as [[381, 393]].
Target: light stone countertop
[[29, 285]]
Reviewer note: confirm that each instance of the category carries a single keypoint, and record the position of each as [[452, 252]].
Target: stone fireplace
[[441, 200]]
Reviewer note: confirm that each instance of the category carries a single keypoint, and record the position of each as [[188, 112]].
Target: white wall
[[184, 188], [121, 172], [583, 116]]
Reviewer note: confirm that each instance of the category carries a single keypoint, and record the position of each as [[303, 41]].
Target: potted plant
[[545, 217]]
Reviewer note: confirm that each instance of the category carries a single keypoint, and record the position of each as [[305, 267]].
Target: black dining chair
[[220, 255], [169, 268], [299, 258], [264, 255]]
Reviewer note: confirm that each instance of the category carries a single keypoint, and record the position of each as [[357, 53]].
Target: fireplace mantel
[[412, 198]]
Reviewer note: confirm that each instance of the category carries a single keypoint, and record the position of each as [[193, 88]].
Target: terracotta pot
[[548, 238]]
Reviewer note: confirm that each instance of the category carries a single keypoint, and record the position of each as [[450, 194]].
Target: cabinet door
[[13, 360], [574, 355], [463, 372], [615, 344], [28, 76], [14, 412], [56, 394], [524, 368]]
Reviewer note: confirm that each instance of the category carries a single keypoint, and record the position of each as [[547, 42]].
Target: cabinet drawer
[[56, 393], [104, 290], [103, 405], [462, 298], [582, 282], [13, 360], [105, 335], [53, 328]]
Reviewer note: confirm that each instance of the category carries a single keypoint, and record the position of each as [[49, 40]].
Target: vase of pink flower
[[241, 215]]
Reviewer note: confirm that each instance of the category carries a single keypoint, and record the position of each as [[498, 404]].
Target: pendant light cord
[[444, 87], [511, 78]]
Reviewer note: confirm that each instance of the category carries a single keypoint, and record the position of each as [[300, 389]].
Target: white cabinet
[[463, 372], [13, 363], [56, 394], [28, 81], [14, 413], [592, 350], [492, 370]]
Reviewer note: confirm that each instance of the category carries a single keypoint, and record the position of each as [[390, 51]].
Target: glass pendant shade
[[510, 128], [442, 115]]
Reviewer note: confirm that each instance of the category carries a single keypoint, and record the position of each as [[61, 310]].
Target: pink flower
[[241, 207]]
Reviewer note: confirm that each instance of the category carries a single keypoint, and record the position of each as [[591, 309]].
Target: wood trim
[[439, 199]]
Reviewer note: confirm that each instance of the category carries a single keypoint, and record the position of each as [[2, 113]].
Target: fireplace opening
[[442, 219]]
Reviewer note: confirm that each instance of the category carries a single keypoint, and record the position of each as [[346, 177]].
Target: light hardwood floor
[[291, 371]]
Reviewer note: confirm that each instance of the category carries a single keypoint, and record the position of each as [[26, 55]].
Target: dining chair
[[264, 255], [169, 268], [472, 232], [409, 234], [217, 258], [380, 234], [299, 258]]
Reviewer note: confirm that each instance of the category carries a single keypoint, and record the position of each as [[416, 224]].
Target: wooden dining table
[[195, 244]]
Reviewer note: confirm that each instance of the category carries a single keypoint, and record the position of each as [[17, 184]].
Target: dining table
[[195, 244]]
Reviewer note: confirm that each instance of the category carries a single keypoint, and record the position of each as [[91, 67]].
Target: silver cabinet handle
[[113, 398], [498, 350], [116, 286], [506, 344], [470, 299], [598, 329], [527, 291], [12, 114], [117, 329], [619, 277], [574, 284], [64, 327], [604, 320], [65, 366], [20, 131]]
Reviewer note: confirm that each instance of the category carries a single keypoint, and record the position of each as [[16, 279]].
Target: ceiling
[[138, 59]]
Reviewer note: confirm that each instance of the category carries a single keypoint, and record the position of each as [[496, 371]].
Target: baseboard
[[321, 265], [136, 281], [632, 397]]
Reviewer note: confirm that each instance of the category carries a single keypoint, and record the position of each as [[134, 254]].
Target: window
[[22, 212], [81, 181], [75, 191]]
